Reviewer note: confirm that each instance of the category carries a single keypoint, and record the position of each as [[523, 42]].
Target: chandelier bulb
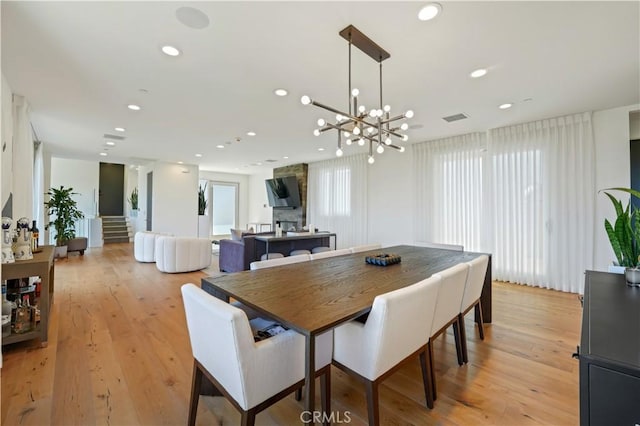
[[339, 152], [380, 149], [372, 113], [409, 114], [348, 141], [361, 142], [370, 129], [402, 149], [362, 108], [371, 160], [355, 92], [339, 117], [387, 108], [305, 100], [404, 126], [380, 113], [321, 122], [346, 134], [316, 132], [388, 141], [356, 130]]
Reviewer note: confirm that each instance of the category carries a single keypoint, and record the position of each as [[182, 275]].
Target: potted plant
[[64, 211], [133, 200], [624, 235], [203, 221]]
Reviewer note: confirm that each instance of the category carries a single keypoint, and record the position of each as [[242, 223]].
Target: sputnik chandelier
[[358, 125]]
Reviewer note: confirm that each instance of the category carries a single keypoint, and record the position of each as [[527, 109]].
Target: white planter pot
[[60, 251], [204, 227]]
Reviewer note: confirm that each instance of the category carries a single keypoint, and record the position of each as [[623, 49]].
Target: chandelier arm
[[390, 132], [396, 147], [391, 120], [335, 111]]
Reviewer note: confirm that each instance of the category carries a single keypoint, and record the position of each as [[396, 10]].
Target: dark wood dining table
[[316, 296]]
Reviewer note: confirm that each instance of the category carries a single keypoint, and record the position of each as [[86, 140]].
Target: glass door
[[223, 207]]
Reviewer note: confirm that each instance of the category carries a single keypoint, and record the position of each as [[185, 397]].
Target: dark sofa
[[237, 255]]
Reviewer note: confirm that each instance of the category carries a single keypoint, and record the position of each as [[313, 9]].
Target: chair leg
[[456, 335], [372, 403], [480, 320], [325, 392], [196, 382], [299, 394], [426, 377], [433, 373], [463, 339], [248, 418]]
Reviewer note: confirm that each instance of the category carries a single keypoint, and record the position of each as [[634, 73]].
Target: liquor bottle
[[6, 305], [35, 233]]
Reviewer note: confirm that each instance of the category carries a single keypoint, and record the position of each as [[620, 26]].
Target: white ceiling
[[80, 63]]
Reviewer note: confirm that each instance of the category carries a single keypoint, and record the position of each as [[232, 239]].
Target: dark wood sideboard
[[609, 351]]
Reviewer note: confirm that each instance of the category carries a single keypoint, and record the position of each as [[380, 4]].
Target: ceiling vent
[[113, 137], [455, 117]]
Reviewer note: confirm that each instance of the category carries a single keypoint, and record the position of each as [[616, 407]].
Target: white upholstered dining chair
[[366, 247], [397, 328], [447, 311], [471, 298], [279, 261], [455, 247], [251, 375], [331, 253]]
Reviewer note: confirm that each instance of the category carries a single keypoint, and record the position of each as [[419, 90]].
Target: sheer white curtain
[[337, 198], [541, 181], [449, 187]]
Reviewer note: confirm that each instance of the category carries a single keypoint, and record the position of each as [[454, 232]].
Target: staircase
[[115, 229]]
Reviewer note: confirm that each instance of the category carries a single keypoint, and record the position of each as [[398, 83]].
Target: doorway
[[149, 200], [111, 189], [223, 207]]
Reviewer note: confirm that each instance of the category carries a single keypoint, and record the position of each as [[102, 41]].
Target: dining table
[[316, 296]]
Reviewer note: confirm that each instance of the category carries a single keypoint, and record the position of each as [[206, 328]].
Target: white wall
[[82, 176], [174, 201], [7, 140], [243, 191], [259, 210], [611, 135]]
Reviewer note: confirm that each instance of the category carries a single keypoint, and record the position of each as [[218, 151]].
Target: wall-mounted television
[[283, 192]]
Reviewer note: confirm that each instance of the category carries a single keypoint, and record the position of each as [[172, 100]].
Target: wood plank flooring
[[119, 354]]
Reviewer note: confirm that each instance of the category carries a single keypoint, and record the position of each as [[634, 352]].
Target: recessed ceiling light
[[285, 157], [505, 106], [220, 146], [320, 149], [171, 51], [281, 92], [251, 133], [104, 154], [478, 73], [134, 107], [180, 162], [429, 11], [198, 155], [119, 129], [258, 164], [111, 143]]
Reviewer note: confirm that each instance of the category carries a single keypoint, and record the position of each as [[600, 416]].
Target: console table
[[42, 266], [609, 351], [318, 238]]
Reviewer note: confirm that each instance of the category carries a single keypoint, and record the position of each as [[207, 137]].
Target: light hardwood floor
[[119, 354]]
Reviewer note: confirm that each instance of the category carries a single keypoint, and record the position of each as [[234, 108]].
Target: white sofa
[[182, 254], [144, 245]]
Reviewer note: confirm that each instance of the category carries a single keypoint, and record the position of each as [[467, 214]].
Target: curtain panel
[[449, 187], [337, 198], [525, 193], [542, 186]]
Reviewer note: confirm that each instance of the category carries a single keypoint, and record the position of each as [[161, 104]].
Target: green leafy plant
[[624, 234], [133, 200], [64, 210], [202, 201]]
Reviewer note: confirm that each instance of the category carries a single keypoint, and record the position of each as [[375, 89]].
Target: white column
[[22, 159]]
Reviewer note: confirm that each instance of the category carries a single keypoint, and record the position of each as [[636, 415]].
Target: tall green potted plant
[[203, 221], [133, 200], [63, 213], [624, 234]]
